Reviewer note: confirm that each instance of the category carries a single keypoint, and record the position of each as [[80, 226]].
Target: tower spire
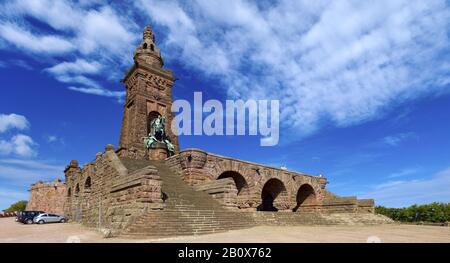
[[147, 50], [148, 34]]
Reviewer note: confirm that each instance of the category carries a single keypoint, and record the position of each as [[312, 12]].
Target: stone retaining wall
[[104, 194]]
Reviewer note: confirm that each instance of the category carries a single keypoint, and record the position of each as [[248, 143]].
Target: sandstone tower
[[148, 95]]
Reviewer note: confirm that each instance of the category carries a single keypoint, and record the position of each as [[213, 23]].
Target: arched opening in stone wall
[[77, 189], [271, 190], [239, 180], [69, 192], [87, 184], [151, 116], [306, 198]]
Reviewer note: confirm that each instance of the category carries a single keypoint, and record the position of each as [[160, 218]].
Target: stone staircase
[[293, 219], [356, 219], [186, 212]]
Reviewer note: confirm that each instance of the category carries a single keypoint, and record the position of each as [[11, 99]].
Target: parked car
[[27, 217], [49, 218]]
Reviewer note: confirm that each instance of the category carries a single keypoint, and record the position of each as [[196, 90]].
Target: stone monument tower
[[148, 95]]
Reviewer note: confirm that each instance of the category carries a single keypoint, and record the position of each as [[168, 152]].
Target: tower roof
[[147, 51], [148, 34]]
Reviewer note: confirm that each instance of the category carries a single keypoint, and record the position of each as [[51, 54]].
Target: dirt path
[[11, 231]]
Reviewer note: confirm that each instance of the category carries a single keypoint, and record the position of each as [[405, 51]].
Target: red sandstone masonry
[[48, 197]]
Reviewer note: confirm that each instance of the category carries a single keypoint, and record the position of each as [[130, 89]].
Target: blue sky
[[363, 85]]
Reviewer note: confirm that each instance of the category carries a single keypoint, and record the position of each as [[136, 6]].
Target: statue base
[[158, 152]]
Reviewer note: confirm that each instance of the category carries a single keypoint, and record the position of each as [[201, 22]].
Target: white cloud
[[103, 37], [58, 14], [13, 121], [33, 165], [72, 73], [104, 31], [341, 61], [407, 192], [119, 95], [79, 66], [344, 61], [25, 172], [394, 140], [20, 145], [52, 138], [404, 172], [27, 41]]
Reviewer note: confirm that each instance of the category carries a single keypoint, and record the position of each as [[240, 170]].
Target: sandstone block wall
[[104, 194], [48, 197]]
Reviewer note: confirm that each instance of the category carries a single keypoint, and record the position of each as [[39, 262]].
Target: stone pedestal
[[158, 152]]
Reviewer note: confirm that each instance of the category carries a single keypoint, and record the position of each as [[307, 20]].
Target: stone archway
[[238, 193], [306, 199], [238, 179], [272, 193]]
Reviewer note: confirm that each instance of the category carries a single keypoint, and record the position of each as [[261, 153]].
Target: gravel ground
[[11, 231]]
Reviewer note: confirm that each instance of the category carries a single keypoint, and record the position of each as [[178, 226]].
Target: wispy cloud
[[404, 172], [342, 61], [407, 192], [52, 138], [74, 73], [119, 95], [96, 35], [395, 140], [15, 63], [25, 40], [79, 66]]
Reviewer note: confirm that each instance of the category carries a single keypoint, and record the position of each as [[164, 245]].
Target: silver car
[[49, 218]]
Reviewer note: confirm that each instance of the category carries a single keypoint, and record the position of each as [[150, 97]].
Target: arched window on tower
[[152, 47], [87, 184], [144, 46]]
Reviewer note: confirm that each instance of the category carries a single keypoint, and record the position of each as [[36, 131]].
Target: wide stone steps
[[186, 211], [356, 219]]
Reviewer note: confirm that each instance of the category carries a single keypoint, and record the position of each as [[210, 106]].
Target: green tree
[[17, 206], [434, 212]]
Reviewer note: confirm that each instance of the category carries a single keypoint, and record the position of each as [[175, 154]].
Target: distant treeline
[[17, 206], [434, 212]]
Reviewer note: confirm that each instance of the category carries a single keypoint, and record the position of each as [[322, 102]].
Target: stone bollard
[[106, 233]]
